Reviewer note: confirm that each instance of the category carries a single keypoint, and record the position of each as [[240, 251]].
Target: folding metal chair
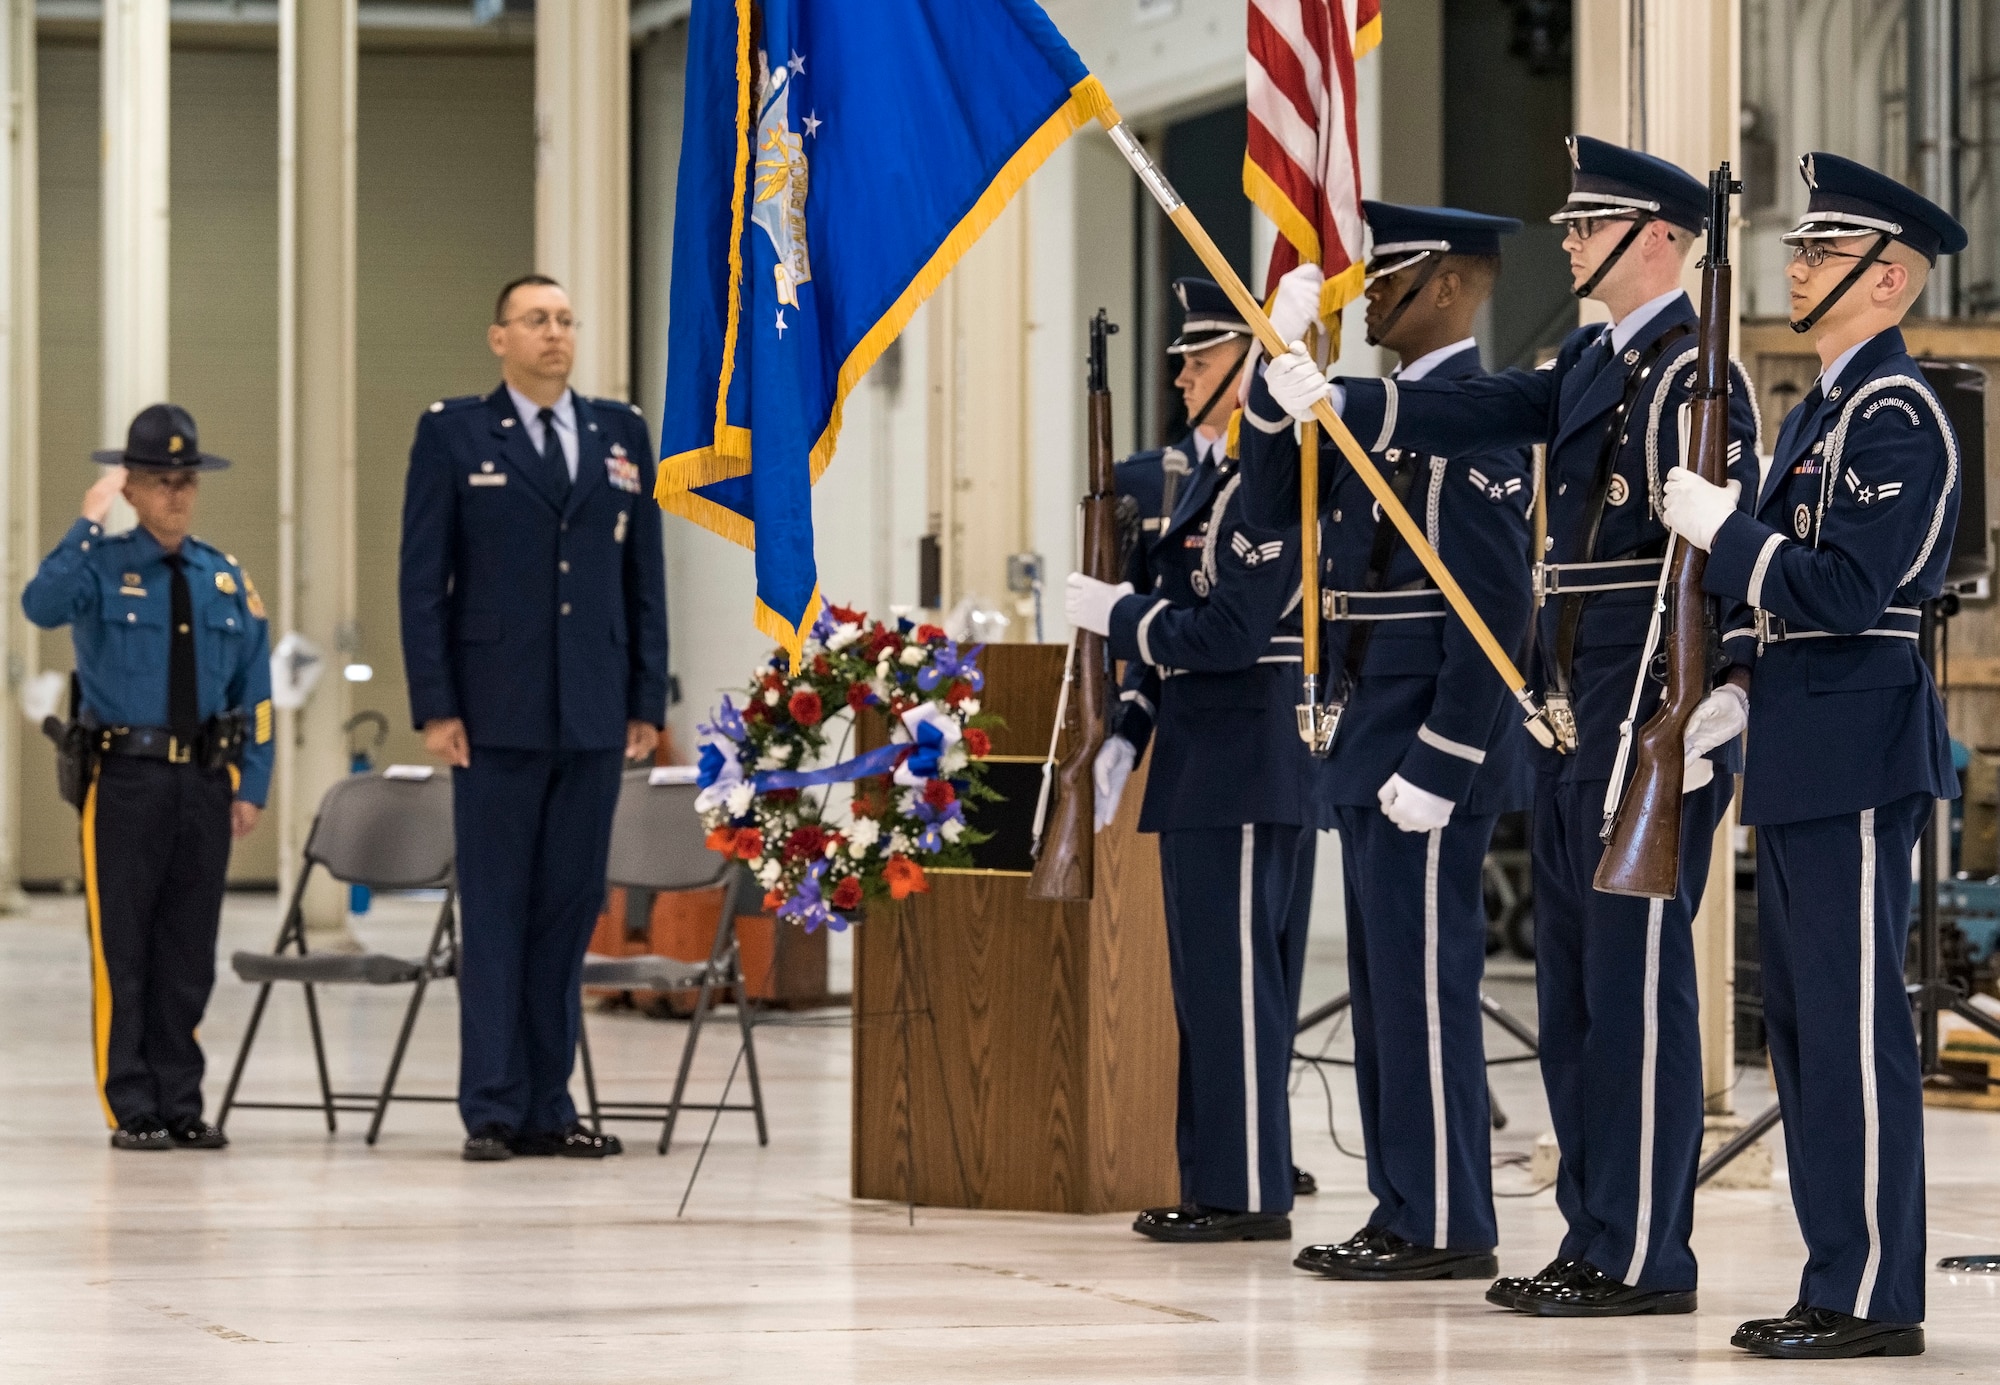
[[657, 846], [387, 834]]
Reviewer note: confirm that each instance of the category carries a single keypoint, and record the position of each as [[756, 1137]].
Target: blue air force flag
[[836, 160]]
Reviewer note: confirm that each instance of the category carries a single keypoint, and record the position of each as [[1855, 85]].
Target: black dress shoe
[[1303, 1183], [1506, 1293], [489, 1144], [1588, 1292], [577, 1142], [197, 1134], [1321, 1258], [1193, 1222], [141, 1132], [1821, 1334], [1760, 1324], [1388, 1258]]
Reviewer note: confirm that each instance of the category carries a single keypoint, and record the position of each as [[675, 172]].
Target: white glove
[[1296, 382], [1087, 602], [1719, 720], [1296, 305], [1694, 508], [1115, 759], [1411, 808]]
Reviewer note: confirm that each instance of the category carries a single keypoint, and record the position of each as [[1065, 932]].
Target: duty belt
[[1283, 649], [1896, 623], [1422, 604], [1577, 579], [218, 743]]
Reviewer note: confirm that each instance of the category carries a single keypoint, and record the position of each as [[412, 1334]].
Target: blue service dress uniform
[[1154, 480], [1827, 566], [534, 609], [1420, 700], [1615, 976], [156, 820], [1211, 643]]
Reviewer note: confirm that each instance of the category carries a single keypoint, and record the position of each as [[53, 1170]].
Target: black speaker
[[1961, 388]]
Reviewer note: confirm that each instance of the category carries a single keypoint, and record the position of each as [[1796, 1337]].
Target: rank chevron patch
[[1866, 494], [1495, 491], [1255, 555]]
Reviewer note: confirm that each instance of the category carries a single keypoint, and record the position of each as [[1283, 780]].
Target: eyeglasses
[[1585, 227], [539, 322], [1816, 253]]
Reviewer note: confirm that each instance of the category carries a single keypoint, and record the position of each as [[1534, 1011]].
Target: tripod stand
[[1932, 993]]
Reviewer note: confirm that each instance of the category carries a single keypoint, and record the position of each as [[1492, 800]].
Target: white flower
[[832, 847], [770, 697], [770, 759], [900, 843], [907, 801], [769, 873], [914, 654], [881, 686], [969, 707], [857, 851], [954, 760], [741, 796], [952, 829], [843, 636], [863, 832]]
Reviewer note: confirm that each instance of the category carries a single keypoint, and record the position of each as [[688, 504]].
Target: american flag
[[1303, 167]]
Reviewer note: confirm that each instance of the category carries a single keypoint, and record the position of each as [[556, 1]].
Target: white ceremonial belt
[[1897, 623], [1426, 604], [1574, 579]]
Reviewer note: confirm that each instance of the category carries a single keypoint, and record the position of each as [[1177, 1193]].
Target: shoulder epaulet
[[463, 401]]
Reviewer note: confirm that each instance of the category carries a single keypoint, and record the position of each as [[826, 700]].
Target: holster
[[75, 758]]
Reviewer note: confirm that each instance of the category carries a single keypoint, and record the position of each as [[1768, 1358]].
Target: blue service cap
[[1404, 236], [1210, 318], [1609, 181], [1851, 199]]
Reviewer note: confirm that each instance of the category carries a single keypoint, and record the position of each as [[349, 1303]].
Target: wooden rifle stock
[[1642, 852], [1065, 864]]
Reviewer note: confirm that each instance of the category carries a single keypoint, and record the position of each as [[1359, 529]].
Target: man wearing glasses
[[535, 641], [1620, 1045]]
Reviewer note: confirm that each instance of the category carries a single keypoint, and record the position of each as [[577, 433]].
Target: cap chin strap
[[1424, 277], [1228, 384], [1617, 252], [1811, 319]]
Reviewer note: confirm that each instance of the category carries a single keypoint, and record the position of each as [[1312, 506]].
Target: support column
[[317, 97], [134, 51], [582, 175], [20, 325]]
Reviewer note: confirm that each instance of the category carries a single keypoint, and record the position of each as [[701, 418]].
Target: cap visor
[[1183, 345], [206, 461]]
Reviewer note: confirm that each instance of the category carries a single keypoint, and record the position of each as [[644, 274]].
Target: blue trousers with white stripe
[[1833, 919], [1238, 900], [1621, 1038], [1416, 950]]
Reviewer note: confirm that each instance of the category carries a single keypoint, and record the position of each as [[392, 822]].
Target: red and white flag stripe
[[1302, 167]]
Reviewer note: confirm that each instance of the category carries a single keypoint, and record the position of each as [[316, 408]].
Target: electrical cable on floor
[[1316, 1063], [1519, 1161]]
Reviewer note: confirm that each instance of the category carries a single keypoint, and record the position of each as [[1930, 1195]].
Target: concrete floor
[[295, 1256]]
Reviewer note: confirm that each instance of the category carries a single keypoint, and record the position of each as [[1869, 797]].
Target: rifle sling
[[1387, 543], [1591, 520]]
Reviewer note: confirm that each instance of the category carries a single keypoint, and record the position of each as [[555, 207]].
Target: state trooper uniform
[[1418, 700], [534, 608], [173, 662], [1827, 566], [1211, 641], [1620, 1046]]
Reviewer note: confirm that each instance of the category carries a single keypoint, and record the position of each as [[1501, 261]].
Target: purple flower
[[948, 664], [807, 907], [728, 723]]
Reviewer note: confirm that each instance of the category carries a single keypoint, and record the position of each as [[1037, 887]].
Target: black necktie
[[183, 701], [553, 460]]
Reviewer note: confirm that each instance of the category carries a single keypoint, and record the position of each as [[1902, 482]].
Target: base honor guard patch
[[225, 583], [620, 470]]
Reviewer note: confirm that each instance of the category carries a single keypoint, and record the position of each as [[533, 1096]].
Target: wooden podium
[[1016, 1053]]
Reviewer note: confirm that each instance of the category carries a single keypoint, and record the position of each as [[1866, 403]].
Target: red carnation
[[783, 795], [939, 794], [847, 894], [749, 843], [858, 695], [977, 743], [756, 710], [926, 633], [805, 843], [957, 692], [774, 900], [771, 682], [884, 639], [821, 668], [805, 708], [722, 839], [846, 616]]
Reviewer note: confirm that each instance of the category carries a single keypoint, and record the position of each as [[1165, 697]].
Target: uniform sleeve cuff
[[1442, 772], [1129, 621], [1738, 557], [1366, 409]]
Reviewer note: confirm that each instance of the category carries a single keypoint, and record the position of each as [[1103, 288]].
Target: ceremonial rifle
[[1064, 860], [1642, 852]]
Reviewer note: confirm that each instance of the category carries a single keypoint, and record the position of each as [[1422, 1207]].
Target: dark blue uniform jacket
[[115, 591], [1211, 643], [1424, 703], [1850, 532], [1143, 476], [542, 623], [1568, 405]]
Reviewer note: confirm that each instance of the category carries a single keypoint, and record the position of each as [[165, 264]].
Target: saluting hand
[[97, 500]]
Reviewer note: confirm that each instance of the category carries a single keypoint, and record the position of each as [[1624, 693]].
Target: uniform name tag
[[131, 591], [620, 470], [487, 478]]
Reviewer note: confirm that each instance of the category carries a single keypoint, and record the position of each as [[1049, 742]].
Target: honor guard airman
[[1620, 1047], [1826, 566], [1424, 756], [173, 666], [1209, 630]]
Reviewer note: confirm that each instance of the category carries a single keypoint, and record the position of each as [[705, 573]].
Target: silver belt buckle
[[1562, 720], [1770, 628], [1548, 581], [1333, 605]]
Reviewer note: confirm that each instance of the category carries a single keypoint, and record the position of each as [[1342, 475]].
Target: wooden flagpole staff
[[1191, 228]]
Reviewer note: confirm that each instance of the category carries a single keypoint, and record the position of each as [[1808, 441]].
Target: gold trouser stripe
[[100, 976]]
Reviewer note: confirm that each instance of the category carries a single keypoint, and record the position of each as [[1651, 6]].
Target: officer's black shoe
[[1303, 1183], [577, 1142], [1506, 1293], [1759, 1324], [141, 1132], [1389, 1258], [1193, 1222], [489, 1144], [1588, 1292], [199, 1135], [1320, 1259], [1821, 1334]]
